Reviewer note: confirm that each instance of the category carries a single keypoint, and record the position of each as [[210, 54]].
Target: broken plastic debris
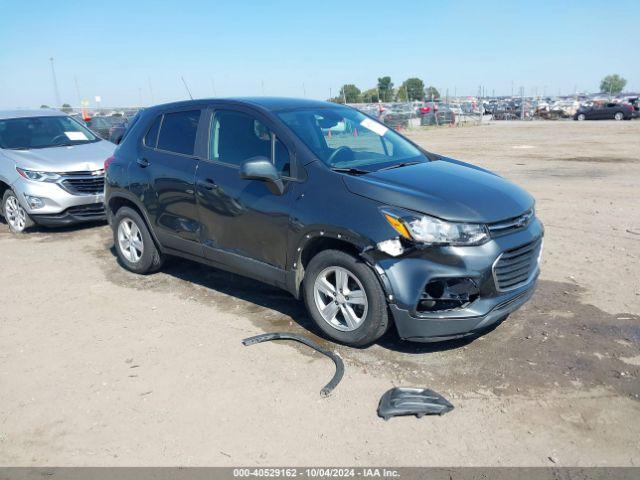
[[333, 383], [412, 401]]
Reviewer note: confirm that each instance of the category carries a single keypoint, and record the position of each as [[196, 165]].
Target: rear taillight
[[108, 162]]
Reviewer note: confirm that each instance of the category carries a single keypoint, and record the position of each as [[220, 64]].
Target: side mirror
[[261, 168]]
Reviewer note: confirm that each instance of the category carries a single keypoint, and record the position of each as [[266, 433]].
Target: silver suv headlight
[[434, 231], [38, 176]]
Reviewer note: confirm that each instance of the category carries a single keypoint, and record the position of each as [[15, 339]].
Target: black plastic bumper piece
[[412, 401], [333, 383], [93, 212]]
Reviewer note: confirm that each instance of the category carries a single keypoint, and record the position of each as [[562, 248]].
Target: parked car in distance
[[437, 114], [365, 226], [51, 170], [116, 132], [102, 125], [607, 111]]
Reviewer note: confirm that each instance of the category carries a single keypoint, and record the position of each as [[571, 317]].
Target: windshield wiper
[[404, 164], [350, 170]]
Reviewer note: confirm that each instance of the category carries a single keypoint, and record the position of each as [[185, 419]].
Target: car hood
[[86, 157], [445, 188]]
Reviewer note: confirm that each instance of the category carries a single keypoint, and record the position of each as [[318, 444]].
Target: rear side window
[[151, 137], [178, 132]]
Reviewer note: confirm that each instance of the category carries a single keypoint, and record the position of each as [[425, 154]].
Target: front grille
[[93, 210], [511, 225], [83, 183], [516, 267]]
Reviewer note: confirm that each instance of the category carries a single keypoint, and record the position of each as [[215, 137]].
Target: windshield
[[43, 132], [345, 138]]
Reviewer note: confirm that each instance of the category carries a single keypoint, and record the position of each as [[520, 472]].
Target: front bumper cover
[[94, 212], [429, 329], [406, 276]]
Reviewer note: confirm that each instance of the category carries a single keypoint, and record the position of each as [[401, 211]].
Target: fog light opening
[[448, 294], [34, 202]]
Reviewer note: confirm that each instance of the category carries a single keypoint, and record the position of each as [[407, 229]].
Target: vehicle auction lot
[[99, 366]]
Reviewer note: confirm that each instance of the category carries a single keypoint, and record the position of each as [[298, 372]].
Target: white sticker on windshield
[[375, 127], [75, 136]]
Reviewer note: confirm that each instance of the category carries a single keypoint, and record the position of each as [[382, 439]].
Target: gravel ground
[[102, 367]]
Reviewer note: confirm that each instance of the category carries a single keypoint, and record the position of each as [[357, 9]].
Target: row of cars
[[318, 199], [108, 127]]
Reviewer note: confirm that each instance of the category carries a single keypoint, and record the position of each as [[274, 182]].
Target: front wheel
[[16, 216], [136, 250], [581, 117], [619, 116], [345, 299]]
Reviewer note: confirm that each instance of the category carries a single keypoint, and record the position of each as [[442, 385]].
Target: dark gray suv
[[331, 205]]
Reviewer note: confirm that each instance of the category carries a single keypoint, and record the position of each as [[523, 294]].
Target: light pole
[[55, 83]]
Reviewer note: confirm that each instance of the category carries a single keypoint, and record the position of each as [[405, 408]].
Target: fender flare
[[363, 246], [130, 197]]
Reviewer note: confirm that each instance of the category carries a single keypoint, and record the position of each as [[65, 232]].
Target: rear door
[[164, 178]]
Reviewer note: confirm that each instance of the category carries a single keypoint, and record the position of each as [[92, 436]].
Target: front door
[[163, 178], [244, 224]]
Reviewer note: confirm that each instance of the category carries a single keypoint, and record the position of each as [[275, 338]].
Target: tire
[[581, 117], [137, 252], [370, 315], [618, 116], [16, 216]]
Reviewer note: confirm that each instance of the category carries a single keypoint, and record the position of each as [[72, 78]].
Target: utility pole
[[521, 103], [213, 87], [151, 91], [304, 90], [344, 95], [262, 86], [55, 83], [75, 79]]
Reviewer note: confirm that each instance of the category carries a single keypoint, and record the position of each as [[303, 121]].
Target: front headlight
[[38, 176], [433, 231]]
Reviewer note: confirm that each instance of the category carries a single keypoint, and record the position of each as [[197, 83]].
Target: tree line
[[411, 89]]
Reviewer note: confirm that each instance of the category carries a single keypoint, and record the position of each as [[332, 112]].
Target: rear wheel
[[135, 247], [345, 299], [581, 117], [16, 216], [619, 116]]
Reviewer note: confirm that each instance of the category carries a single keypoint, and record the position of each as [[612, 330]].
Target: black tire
[[151, 259], [376, 322], [618, 116], [28, 222], [581, 117]]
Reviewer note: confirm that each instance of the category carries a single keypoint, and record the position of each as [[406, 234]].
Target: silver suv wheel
[[340, 298], [15, 215], [130, 240]]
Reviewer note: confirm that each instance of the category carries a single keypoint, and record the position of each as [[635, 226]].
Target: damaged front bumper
[[440, 293]]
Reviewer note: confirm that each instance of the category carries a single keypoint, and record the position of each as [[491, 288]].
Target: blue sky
[[116, 48]]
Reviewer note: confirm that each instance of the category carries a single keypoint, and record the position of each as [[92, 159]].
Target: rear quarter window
[[151, 138]]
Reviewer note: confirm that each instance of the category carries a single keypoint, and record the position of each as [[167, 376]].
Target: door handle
[[143, 162], [209, 184]]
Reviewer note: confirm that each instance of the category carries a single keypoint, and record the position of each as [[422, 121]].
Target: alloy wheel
[[15, 215], [340, 298], [130, 240], [618, 116]]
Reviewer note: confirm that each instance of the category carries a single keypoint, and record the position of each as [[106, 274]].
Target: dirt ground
[[102, 367]]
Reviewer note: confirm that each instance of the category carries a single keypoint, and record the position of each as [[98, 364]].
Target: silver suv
[[51, 169]]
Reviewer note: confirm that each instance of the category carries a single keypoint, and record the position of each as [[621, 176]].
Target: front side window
[[178, 132], [43, 132], [345, 138], [236, 137]]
